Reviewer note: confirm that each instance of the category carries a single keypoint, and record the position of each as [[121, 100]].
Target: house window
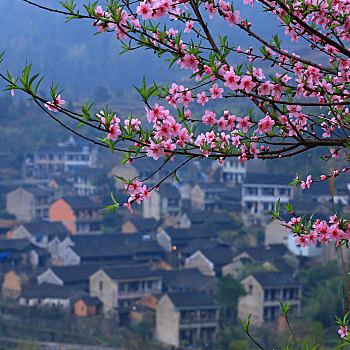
[[101, 285], [250, 292]]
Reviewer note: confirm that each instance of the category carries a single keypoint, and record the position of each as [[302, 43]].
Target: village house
[[190, 279], [78, 213], [264, 293], [260, 194], [49, 295], [69, 276], [187, 319], [140, 225], [210, 261], [85, 181], [88, 306], [68, 157], [109, 249], [29, 203], [122, 286], [21, 252], [205, 196], [12, 285], [40, 233], [231, 171], [172, 239], [165, 204]]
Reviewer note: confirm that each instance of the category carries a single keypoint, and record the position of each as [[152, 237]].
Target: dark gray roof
[[195, 232], [90, 301], [219, 255], [113, 245], [169, 191], [75, 274], [263, 254], [46, 290], [46, 228], [130, 272], [36, 191], [198, 244], [9, 245], [273, 279], [192, 300], [144, 225], [268, 179], [81, 202], [184, 279]]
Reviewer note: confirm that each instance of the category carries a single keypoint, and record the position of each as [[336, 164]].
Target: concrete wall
[[20, 203], [252, 303], [167, 322], [61, 211], [105, 289]]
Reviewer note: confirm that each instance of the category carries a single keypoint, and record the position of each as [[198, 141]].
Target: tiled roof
[[184, 279], [276, 279], [46, 228], [81, 202], [219, 256], [77, 273], [192, 300], [130, 272], [46, 290], [113, 245], [268, 179]]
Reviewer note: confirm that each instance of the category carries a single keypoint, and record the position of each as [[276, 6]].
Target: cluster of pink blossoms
[[137, 193], [319, 231]]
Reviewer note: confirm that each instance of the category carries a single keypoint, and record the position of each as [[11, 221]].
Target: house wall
[[21, 204], [108, 293], [151, 208], [128, 227], [20, 232], [198, 260], [252, 303], [61, 211], [275, 233], [49, 277], [164, 241], [197, 198], [11, 286], [167, 322]]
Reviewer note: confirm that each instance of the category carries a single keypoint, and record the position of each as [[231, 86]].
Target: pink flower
[[232, 18], [144, 10], [202, 98], [307, 183], [265, 124], [155, 150], [51, 106], [189, 26], [231, 79], [216, 92], [247, 84], [343, 331], [244, 124]]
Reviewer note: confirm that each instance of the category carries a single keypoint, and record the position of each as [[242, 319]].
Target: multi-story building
[[122, 286], [260, 193], [264, 292], [187, 318], [68, 157], [164, 204], [29, 203], [78, 213]]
